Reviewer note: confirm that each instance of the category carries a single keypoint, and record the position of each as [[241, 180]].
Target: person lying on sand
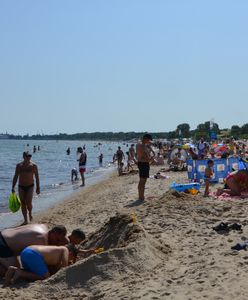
[[37, 259], [158, 160], [159, 175], [14, 240], [122, 171], [235, 183]]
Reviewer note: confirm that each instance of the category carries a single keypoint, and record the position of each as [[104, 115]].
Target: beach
[[162, 248]]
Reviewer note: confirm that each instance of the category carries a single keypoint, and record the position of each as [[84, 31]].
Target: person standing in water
[[25, 173], [82, 163], [100, 157], [120, 156], [143, 151]]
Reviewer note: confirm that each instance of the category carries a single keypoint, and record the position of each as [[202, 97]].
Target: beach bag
[[14, 202]]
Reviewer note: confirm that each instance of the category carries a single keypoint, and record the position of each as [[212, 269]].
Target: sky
[[134, 65]]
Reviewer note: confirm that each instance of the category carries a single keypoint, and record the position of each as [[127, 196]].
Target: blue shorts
[[33, 261]]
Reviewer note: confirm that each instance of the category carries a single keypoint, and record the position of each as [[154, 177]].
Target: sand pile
[[118, 232], [129, 253], [173, 195]]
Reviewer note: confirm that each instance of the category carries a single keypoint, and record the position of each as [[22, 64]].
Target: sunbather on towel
[[236, 182]]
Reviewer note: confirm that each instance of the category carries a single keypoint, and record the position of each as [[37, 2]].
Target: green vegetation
[[182, 131]]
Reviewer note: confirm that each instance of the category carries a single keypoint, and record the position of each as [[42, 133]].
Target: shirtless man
[[82, 164], [37, 260], [120, 156], [132, 153], [25, 172], [14, 240], [143, 151]]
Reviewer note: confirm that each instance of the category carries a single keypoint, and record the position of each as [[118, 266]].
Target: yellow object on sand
[[99, 250], [14, 202], [134, 217], [193, 191]]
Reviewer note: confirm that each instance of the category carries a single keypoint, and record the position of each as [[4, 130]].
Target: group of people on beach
[[33, 252], [234, 184], [141, 156], [27, 175]]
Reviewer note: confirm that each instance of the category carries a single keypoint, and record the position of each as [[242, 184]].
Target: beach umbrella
[[188, 145]]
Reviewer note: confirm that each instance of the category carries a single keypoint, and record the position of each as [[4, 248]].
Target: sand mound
[[129, 251], [173, 194], [118, 232]]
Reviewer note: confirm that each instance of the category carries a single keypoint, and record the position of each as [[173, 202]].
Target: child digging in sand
[[39, 262]]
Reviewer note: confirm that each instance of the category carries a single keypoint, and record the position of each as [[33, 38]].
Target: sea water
[[54, 166]]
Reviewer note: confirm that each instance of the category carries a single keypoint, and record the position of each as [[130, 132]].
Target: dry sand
[[164, 248]]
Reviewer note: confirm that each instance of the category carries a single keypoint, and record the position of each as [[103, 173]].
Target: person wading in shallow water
[[143, 151], [82, 163], [25, 173]]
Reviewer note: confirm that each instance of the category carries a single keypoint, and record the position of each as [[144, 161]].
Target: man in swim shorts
[[82, 164], [120, 156], [144, 157], [14, 240], [37, 259], [25, 173]]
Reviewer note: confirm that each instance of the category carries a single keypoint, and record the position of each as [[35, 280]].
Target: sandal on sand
[[235, 226], [222, 227], [239, 246]]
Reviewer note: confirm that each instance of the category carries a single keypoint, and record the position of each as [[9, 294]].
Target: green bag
[[14, 202]]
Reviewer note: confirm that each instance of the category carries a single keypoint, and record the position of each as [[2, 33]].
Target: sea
[[54, 166]]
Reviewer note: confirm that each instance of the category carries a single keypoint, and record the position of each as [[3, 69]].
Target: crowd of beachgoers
[[176, 152], [157, 240], [204, 149]]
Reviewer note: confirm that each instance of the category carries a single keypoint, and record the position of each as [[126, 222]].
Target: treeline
[[110, 136], [205, 130]]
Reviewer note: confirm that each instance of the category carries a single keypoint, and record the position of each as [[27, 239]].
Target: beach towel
[[226, 196]]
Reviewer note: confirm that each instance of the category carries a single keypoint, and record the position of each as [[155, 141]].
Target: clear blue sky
[[133, 65]]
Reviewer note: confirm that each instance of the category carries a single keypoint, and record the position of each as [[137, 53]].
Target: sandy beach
[[163, 248]]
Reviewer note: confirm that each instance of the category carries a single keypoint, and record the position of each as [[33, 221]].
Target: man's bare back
[[20, 237]]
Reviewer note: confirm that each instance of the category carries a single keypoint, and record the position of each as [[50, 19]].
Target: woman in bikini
[[25, 172], [236, 183]]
